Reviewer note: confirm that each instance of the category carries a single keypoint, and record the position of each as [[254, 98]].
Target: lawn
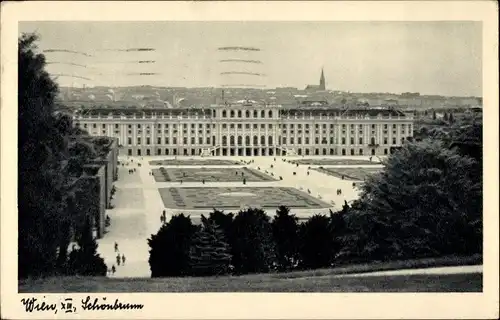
[[210, 175], [224, 198], [323, 280]]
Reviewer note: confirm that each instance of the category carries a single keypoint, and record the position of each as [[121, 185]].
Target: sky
[[442, 58]]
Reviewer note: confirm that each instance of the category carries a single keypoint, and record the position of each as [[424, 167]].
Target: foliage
[[170, 247], [223, 220], [316, 243], [285, 233], [427, 202], [210, 253], [251, 242], [85, 261], [47, 168]]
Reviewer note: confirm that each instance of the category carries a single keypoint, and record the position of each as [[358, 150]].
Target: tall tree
[[285, 233], [169, 253], [210, 253], [251, 242], [316, 243], [40, 150]]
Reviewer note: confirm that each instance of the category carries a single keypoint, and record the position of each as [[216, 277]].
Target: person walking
[[116, 246], [118, 260], [123, 259], [113, 269]]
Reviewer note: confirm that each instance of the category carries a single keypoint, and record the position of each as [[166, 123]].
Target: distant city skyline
[[442, 58]]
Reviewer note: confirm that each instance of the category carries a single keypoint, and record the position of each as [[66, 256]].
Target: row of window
[[239, 114], [255, 139], [306, 151]]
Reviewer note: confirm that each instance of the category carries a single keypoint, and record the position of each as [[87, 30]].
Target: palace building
[[249, 128]]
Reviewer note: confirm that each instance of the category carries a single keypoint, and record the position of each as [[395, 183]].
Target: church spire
[[322, 85]]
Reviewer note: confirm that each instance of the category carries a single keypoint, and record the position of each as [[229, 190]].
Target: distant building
[[321, 86], [251, 128]]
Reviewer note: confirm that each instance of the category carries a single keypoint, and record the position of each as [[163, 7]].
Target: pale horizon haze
[[442, 58]]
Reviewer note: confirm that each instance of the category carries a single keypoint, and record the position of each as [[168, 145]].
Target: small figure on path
[[113, 269], [342, 177], [354, 184], [118, 260], [203, 181], [116, 247], [123, 259], [370, 159], [307, 172], [294, 173], [181, 181], [274, 159], [297, 165]]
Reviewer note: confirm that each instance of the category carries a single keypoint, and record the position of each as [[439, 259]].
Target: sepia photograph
[[247, 156]]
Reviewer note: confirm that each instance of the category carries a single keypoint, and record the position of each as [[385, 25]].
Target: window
[[262, 114], [224, 114], [352, 140], [343, 140], [231, 125], [247, 114], [270, 126], [270, 140], [232, 113], [372, 141], [116, 126], [247, 140], [262, 140], [373, 126], [139, 140], [239, 113], [402, 140], [292, 140], [148, 140], [360, 152], [138, 126], [284, 140], [129, 141], [255, 140], [331, 140], [360, 140], [192, 140], [94, 126], [224, 126], [239, 125], [299, 140], [130, 126], [208, 140], [307, 140], [385, 126], [270, 113], [262, 126], [393, 140], [159, 140], [255, 113], [324, 126], [255, 126], [385, 140], [184, 140], [394, 126], [247, 126], [174, 140], [200, 140], [166, 140]]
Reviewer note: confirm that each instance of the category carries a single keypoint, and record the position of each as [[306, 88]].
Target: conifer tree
[[210, 253], [285, 233]]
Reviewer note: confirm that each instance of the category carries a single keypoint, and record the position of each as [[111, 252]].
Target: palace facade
[[248, 128]]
